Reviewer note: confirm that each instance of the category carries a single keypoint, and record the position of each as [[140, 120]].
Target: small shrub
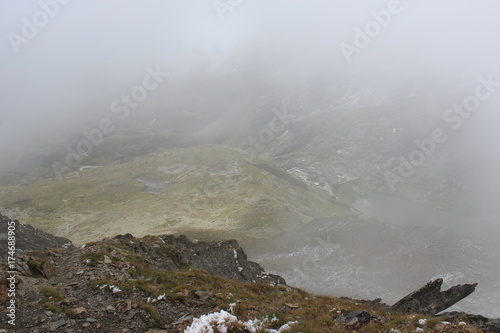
[[178, 297], [51, 294], [151, 310], [92, 259], [52, 307]]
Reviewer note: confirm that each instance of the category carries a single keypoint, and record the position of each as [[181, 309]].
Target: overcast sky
[[92, 51]]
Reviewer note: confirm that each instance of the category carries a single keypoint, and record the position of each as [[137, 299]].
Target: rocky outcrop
[[225, 258], [430, 300], [483, 323], [28, 238], [353, 320]]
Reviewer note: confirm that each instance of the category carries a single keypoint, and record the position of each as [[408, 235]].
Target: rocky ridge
[[167, 283]]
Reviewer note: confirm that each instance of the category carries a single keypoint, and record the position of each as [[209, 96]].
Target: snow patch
[[114, 289], [223, 320]]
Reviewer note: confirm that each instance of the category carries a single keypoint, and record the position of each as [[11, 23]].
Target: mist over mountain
[[371, 126]]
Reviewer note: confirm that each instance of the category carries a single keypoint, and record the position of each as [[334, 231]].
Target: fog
[[91, 52], [217, 61]]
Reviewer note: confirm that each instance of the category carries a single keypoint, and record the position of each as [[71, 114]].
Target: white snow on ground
[[114, 289], [223, 320]]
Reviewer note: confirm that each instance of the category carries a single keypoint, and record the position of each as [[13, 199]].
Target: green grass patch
[[51, 294], [151, 310], [92, 259]]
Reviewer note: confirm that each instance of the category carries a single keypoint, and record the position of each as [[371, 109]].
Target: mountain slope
[[213, 189], [150, 284]]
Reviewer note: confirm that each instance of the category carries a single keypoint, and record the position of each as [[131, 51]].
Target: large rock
[[430, 300], [225, 258], [353, 320], [29, 238]]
